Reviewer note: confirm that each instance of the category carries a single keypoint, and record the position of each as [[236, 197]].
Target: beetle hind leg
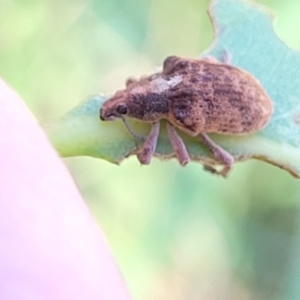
[[219, 153], [224, 57]]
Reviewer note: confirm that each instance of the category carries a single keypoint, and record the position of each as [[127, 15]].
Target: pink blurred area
[[50, 247]]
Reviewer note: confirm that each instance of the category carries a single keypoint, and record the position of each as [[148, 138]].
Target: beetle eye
[[122, 109]]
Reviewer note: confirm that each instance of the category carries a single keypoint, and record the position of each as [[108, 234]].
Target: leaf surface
[[245, 31]]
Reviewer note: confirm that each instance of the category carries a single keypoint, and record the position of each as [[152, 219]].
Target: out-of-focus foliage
[[177, 233]]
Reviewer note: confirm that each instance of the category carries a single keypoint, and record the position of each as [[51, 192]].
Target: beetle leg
[[210, 58], [219, 153], [210, 169], [226, 57], [148, 148], [169, 64], [131, 132], [178, 145]]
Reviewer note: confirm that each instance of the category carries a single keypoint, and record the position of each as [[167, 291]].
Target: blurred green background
[[176, 233]]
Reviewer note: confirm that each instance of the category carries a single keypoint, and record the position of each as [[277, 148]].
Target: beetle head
[[132, 101], [115, 107]]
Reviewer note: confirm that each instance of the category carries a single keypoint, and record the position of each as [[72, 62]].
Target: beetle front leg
[[149, 146], [225, 58], [178, 145], [219, 153]]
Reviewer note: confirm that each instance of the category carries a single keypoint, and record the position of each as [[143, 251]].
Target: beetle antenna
[[133, 134]]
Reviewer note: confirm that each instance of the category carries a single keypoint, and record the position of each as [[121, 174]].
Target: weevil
[[196, 96]]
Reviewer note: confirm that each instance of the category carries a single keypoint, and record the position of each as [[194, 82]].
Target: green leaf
[[245, 31]]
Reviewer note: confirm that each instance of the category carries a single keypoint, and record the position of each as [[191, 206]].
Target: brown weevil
[[197, 96]]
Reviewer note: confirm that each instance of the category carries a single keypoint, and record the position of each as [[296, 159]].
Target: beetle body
[[195, 96], [215, 97]]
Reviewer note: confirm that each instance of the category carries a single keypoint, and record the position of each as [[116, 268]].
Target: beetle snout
[[101, 115], [106, 115]]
